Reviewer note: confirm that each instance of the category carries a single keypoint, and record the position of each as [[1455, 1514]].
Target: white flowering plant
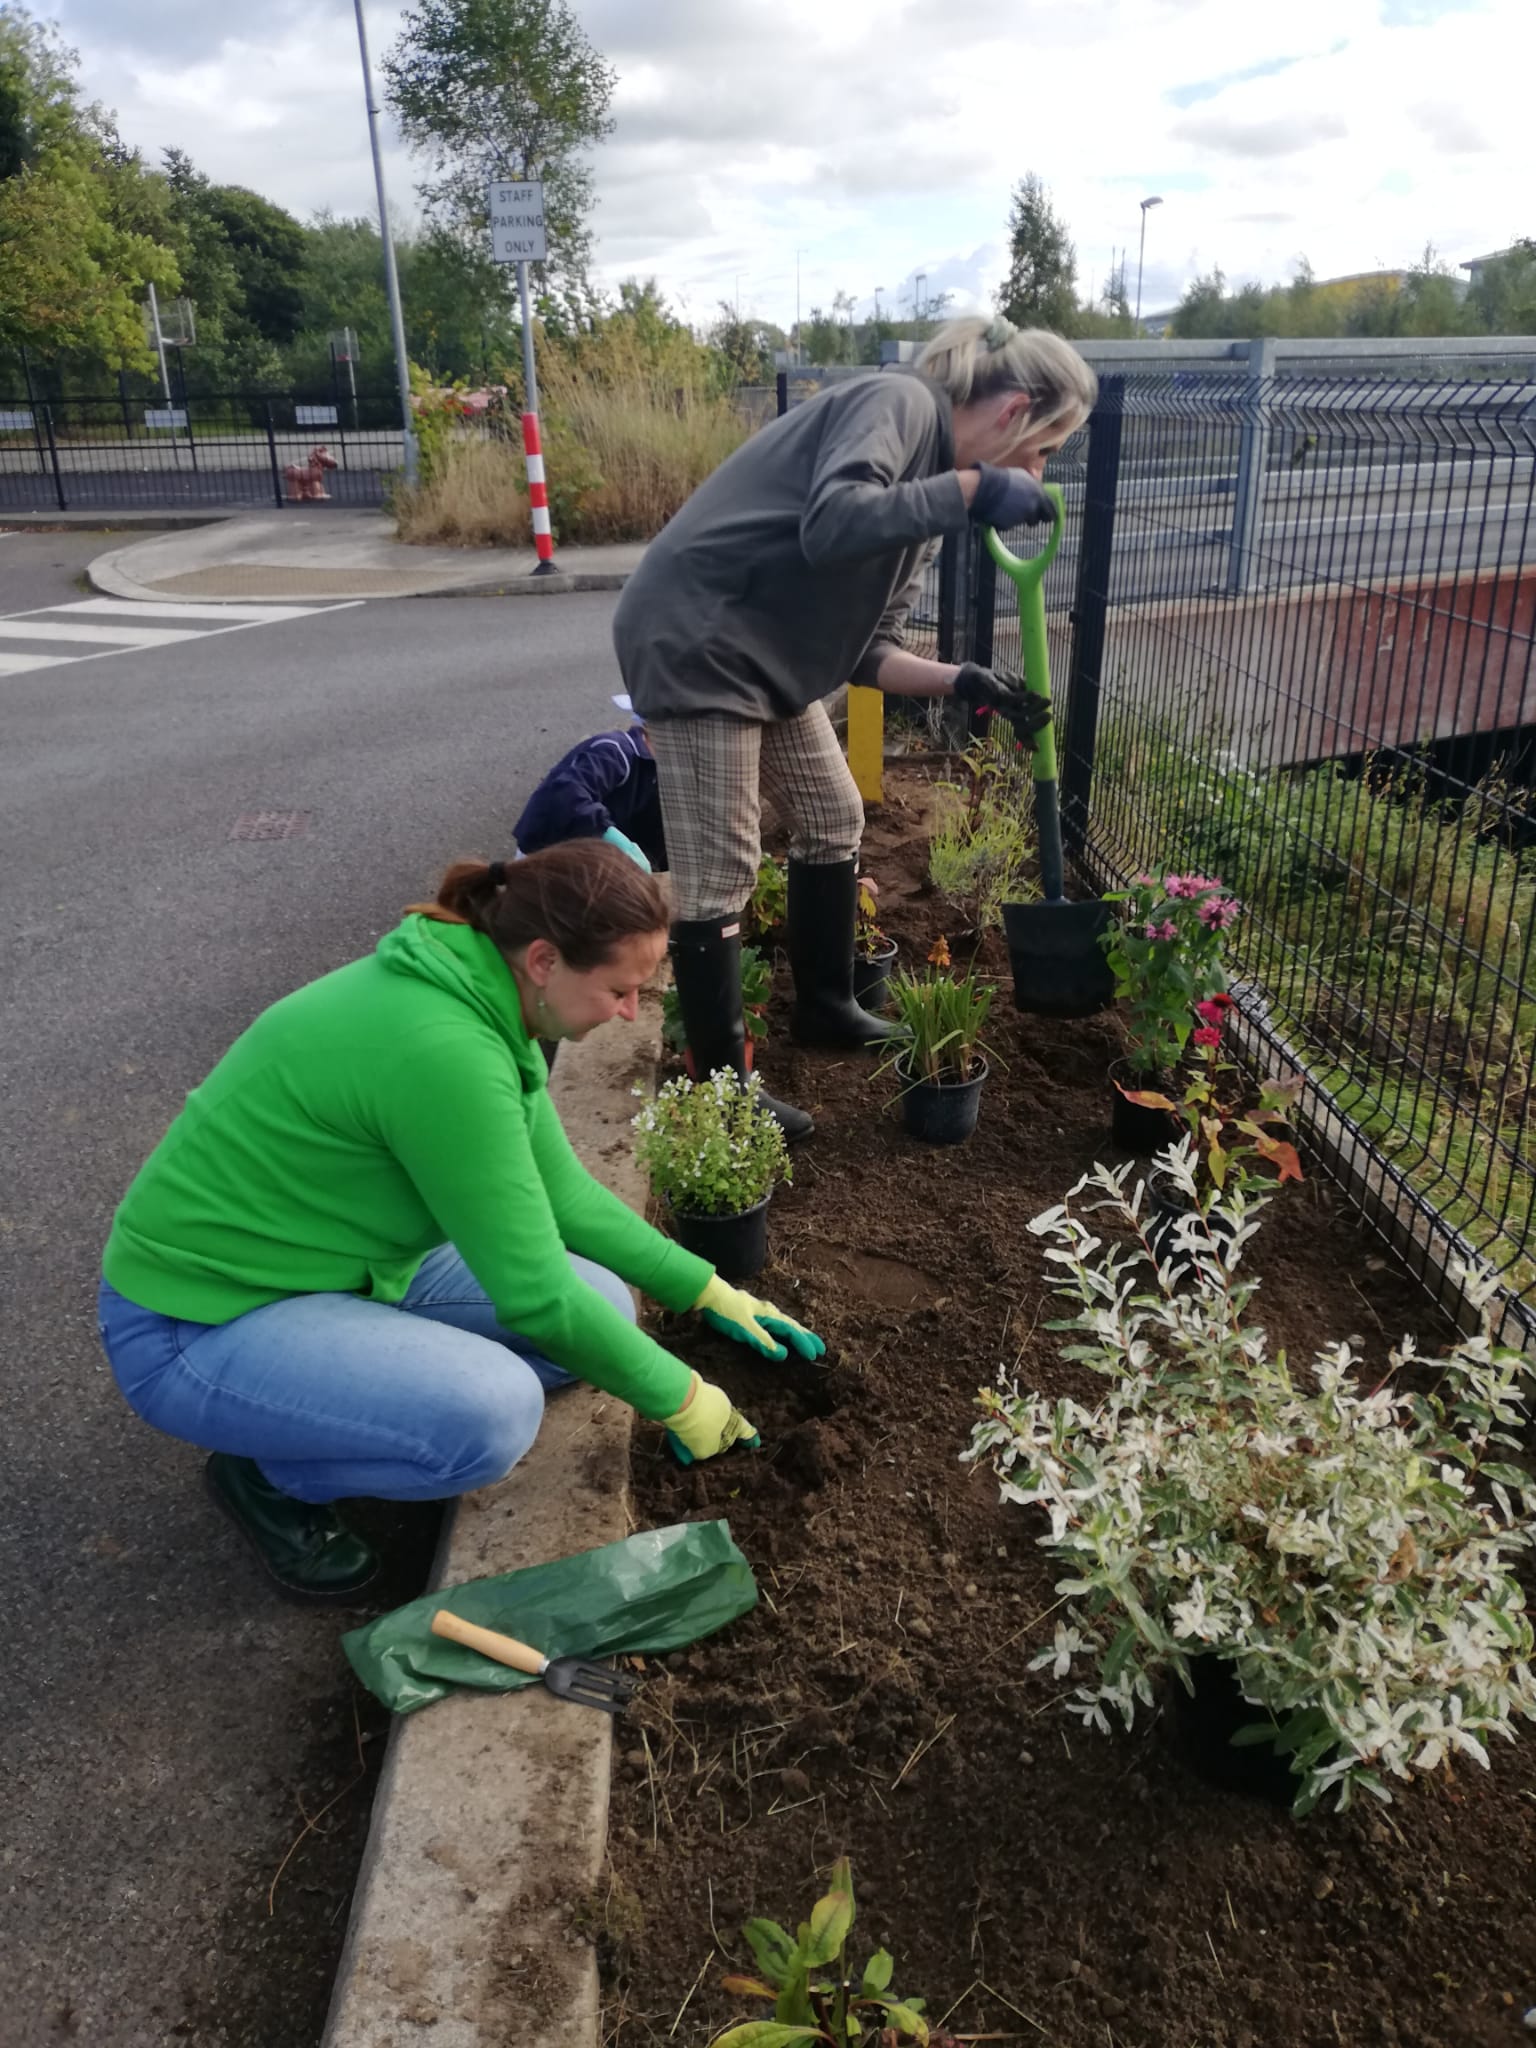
[[1344, 1540], [708, 1147]]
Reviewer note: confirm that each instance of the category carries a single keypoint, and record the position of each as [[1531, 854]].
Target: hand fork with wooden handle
[[577, 1679]]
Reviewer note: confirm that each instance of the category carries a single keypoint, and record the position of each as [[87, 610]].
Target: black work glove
[[1006, 498], [980, 689]]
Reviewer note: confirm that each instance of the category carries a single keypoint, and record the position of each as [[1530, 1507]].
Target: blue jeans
[[335, 1396]]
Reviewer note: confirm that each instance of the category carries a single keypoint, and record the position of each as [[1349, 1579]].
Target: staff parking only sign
[[517, 223]]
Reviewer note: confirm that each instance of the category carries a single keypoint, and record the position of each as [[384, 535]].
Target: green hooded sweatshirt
[[388, 1108]]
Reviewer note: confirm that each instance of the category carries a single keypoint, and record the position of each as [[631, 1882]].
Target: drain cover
[[270, 825]]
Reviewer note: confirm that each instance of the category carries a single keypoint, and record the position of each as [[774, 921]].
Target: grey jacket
[[790, 570]]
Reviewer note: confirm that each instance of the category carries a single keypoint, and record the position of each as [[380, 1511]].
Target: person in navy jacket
[[604, 788]]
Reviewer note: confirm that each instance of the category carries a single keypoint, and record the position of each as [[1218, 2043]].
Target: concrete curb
[[490, 1824], [538, 586], [116, 522]]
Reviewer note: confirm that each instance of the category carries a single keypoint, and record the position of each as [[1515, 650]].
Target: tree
[[503, 89], [745, 346], [71, 275], [1201, 314], [1039, 290], [1503, 299], [267, 249]]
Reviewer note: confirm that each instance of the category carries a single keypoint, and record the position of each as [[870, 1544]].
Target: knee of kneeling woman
[[503, 1435]]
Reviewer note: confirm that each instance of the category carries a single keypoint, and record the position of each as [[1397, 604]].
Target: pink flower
[[1146, 881], [1166, 930], [1176, 886], [1217, 912], [1207, 1035], [1213, 1009]]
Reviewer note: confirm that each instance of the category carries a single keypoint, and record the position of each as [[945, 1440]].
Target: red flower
[[1213, 1009], [1207, 1035]]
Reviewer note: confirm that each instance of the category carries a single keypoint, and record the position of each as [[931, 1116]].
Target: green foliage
[[1348, 1545], [868, 938], [1040, 288], [1425, 300], [507, 90], [709, 1147], [1164, 949], [983, 850], [769, 903], [744, 346], [810, 2006], [940, 1017]]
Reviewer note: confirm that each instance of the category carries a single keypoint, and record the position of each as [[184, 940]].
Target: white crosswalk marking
[[96, 628], [100, 636]]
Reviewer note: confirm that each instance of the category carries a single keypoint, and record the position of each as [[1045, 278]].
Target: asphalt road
[[168, 1723]]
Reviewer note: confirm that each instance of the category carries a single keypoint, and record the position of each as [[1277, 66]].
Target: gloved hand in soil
[[707, 1424], [757, 1324], [1006, 498], [1000, 690], [614, 837]]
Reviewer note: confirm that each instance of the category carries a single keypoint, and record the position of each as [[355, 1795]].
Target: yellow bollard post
[[866, 740]]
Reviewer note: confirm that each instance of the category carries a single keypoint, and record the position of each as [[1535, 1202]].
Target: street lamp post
[[391, 275], [1146, 205], [799, 341], [879, 288], [917, 294]]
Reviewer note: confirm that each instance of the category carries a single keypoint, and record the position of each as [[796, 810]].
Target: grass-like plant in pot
[[815, 1994], [1322, 1563], [937, 1054], [713, 1157], [1164, 950]]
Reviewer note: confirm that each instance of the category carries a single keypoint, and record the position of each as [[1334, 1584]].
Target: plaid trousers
[[712, 772]]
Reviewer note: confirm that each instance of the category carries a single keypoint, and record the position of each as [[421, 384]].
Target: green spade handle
[[1028, 579]]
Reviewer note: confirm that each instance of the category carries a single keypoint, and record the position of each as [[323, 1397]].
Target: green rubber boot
[[304, 1546]]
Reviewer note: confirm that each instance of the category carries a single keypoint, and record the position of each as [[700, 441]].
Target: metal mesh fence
[[81, 454], [1300, 656]]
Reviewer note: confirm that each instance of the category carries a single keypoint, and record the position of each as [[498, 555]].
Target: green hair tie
[[999, 334]]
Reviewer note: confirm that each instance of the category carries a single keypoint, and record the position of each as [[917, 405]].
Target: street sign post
[[516, 213]]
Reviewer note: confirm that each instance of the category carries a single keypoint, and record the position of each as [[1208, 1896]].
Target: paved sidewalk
[[324, 553]]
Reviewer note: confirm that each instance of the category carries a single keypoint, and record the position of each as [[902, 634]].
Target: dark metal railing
[[1294, 627], [85, 453]]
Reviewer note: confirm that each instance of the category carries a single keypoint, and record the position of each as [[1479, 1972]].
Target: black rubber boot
[[706, 966], [306, 1547], [823, 903]]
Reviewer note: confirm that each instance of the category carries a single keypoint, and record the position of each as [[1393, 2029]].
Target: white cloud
[[880, 138]]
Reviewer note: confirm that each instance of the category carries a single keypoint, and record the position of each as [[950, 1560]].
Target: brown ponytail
[[583, 895]]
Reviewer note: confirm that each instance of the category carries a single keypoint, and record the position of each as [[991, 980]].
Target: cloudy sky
[[880, 141]]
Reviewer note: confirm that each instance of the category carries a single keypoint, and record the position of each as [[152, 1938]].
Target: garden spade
[[1059, 968], [578, 1679]]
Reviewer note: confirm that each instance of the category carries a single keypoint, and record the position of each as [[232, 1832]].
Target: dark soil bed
[[1034, 1882]]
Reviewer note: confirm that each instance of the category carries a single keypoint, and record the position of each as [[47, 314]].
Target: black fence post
[[956, 623], [1090, 611], [781, 392], [277, 475], [53, 456]]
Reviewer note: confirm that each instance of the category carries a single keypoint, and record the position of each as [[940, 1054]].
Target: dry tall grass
[[628, 435]]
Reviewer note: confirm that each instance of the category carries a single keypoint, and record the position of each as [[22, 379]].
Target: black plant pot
[[1132, 1124], [736, 1246], [872, 976], [942, 1112], [1166, 1204], [1204, 1725]]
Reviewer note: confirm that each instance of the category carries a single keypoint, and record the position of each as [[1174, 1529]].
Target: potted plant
[[874, 955], [1164, 950], [1323, 1563], [940, 1016], [813, 1990], [713, 1156], [1231, 1141], [756, 988]]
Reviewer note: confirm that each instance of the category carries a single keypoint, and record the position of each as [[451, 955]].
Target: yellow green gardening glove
[[707, 1424], [757, 1324]]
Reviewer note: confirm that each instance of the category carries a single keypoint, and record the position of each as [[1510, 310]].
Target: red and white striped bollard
[[538, 496]]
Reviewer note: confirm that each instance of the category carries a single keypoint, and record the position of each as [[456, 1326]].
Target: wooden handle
[[505, 1649]]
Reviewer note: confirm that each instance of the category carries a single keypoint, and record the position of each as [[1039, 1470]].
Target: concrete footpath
[[325, 553], [490, 1823]]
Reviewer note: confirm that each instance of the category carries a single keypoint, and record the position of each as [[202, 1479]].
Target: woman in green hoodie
[[365, 1248]]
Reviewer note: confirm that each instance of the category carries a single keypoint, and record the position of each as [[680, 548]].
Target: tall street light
[[1146, 205], [391, 274], [917, 294]]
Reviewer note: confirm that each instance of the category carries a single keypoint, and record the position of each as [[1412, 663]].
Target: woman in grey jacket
[[789, 572]]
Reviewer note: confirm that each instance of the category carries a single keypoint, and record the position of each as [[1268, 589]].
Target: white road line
[[30, 626], [209, 614], [18, 664]]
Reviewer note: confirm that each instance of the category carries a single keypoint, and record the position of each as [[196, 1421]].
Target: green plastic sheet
[[655, 1591]]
